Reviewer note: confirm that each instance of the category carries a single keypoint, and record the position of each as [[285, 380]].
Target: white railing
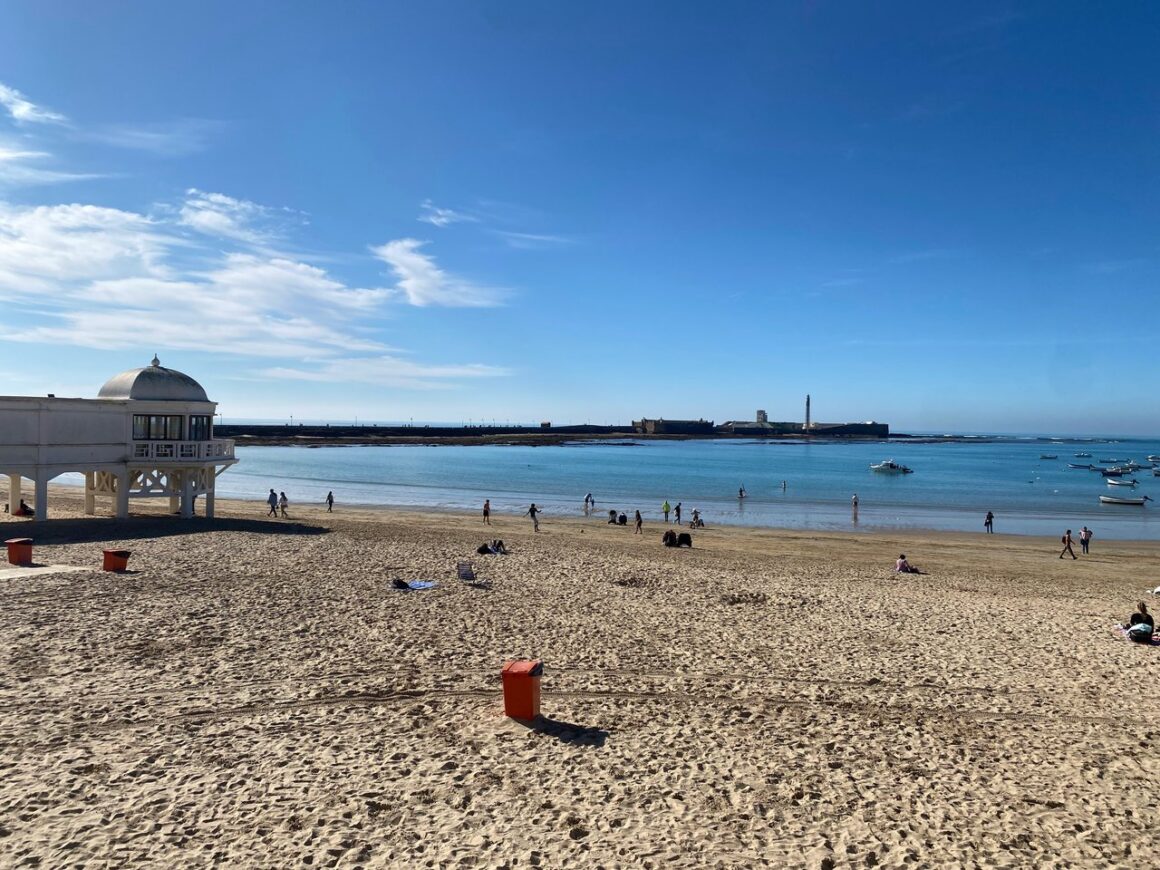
[[183, 451]]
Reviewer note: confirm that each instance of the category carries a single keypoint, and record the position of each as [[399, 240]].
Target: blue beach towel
[[413, 585]]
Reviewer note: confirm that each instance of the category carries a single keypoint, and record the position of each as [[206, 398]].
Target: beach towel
[[413, 585], [1125, 633]]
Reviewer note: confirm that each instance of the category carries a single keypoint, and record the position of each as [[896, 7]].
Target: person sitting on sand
[[904, 567], [24, 510], [612, 518], [1140, 624]]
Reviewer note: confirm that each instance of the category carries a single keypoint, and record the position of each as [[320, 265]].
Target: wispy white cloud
[[171, 139], [24, 111], [532, 240], [20, 165], [98, 277], [441, 217], [225, 217], [388, 370], [424, 283]]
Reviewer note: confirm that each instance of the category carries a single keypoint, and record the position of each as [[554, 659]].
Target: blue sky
[[941, 216]]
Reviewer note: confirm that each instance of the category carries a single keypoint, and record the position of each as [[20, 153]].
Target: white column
[[13, 491], [123, 494], [42, 498], [211, 483], [186, 494], [90, 493]]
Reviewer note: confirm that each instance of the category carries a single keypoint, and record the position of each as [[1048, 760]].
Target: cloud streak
[[424, 284], [89, 276], [24, 111], [442, 217]]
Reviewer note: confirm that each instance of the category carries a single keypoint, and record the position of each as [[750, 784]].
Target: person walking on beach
[[677, 511], [330, 502], [1085, 536], [533, 512], [665, 507], [989, 524], [283, 503], [639, 524], [1066, 541], [272, 501], [487, 511]]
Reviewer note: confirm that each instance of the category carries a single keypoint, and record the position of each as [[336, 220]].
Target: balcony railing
[[183, 451]]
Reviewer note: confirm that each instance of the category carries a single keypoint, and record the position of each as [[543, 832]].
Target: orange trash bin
[[19, 551], [521, 688], [117, 560]]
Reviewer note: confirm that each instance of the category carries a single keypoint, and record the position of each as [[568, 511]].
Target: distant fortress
[[761, 427]]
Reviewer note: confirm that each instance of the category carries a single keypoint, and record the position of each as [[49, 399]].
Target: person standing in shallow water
[[487, 511], [1066, 541], [665, 507], [989, 523]]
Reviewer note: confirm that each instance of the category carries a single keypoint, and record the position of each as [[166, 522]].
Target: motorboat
[[1156, 472], [889, 466], [1049, 456], [1115, 499], [1153, 458], [1113, 461], [1111, 472], [1083, 456], [1111, 481], [1077, 465]]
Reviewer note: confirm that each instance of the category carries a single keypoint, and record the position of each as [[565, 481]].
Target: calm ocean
[[952, 488]]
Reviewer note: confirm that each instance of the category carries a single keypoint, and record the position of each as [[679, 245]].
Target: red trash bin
[[521, 688], [117, 560], [19, 551]]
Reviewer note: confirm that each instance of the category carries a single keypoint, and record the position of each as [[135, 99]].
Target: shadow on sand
[[566, 732], [93, 529]]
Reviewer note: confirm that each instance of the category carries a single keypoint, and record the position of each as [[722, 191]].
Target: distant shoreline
[[344, 436]]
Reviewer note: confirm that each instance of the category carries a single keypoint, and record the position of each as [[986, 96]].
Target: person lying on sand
[[904, 567]]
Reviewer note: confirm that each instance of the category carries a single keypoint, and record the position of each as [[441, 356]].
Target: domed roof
[[154, 383]]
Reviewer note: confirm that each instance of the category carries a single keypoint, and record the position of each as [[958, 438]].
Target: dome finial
[[156, 362]]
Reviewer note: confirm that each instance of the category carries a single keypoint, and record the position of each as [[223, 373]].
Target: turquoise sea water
[[954, 484]]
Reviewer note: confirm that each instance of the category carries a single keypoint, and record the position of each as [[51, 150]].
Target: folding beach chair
[[466, 572]]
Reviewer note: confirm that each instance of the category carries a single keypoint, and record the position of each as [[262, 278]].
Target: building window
[[199, 427], [157, 427]]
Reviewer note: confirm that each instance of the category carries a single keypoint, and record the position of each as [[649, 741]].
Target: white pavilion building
[[148, 434]]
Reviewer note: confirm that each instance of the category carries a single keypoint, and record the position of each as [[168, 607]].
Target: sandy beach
[[254, 693]]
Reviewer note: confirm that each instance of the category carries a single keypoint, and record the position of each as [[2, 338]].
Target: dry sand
[[254, 694]]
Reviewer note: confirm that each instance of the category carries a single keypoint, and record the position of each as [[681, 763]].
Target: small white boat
[[889, 466], [1083, 456], [1124, 482], [1077, 465], [1153, 458], [1115, 499]]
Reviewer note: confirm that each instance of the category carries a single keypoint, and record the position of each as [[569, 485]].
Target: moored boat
[[1049, 456], [1152, 457], [1125, 482], [1077, 465], [1115, 499], [1083, 456], [889, 466]]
